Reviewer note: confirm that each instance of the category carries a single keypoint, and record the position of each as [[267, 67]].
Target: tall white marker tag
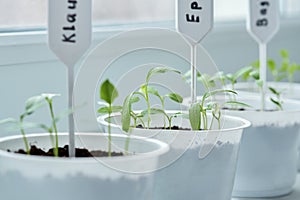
[[69, 36], [263, 23], [69, 29], [263, 20], [194, 18]]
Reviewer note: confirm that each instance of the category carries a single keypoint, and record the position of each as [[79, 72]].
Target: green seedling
[[31, 105], [144, 88], [207, 81], [144, 92], [277, 101], [286, 70], [241, 73], [287, 67], [109, 93], [198, 111]]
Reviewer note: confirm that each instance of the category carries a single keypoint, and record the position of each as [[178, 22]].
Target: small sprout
[[277, 101], [109, 93], [207, 81], [233, 78], [198, 111], [31, 105], [144, 87], [195, 116]]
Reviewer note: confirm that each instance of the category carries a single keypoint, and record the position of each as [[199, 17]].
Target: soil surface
[[243, 109], [167, 128], [64, 152]]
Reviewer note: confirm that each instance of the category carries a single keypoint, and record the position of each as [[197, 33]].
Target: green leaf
[[8, 120], [272, 65], [277, 103], [107, 110], [212, 93], [284, 66], [274, 91], [230, 78], [34, 103], [241, 72], [159, 70], [49, 96], [219, 76], [237, 103], [259, 83], [103, 110], [133, 99], [255, 74], [284, 54], [256, 64], [195, 116], [175, 97], [154, 111], [126, 113], [292, 69], [154, 91], [108, 92]]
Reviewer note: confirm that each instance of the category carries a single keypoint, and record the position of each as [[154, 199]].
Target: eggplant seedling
[[198, 111], [144, 92]]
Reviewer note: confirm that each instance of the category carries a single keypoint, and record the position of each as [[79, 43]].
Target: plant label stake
[[69, 36], [263, 24], [194, 19]]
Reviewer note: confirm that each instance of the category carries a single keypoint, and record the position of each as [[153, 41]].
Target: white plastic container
[[267, 165], [200, 164], [36, 178], [289, 90]]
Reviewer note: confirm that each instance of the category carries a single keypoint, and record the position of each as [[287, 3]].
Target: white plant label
[[263, 20], [263, 23], [69, 35], [69, 29], [194, 18]]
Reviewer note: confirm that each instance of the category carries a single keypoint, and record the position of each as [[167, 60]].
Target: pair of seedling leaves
[[31, 106], [197, 112]]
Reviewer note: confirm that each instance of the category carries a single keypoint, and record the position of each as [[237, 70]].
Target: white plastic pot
[[200, 164], [289, 90], [267, 165], [36, 178]]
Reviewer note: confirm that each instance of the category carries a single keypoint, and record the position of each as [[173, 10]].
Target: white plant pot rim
[[245, 123], [255, 116], [163, 149], [245, 85]]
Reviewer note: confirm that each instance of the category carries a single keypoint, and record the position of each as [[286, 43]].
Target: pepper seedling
[[109, 93]]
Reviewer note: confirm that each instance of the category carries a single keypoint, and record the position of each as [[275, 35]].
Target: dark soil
[[64, 152], [167, 128], [237, 109], [243, 109]]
